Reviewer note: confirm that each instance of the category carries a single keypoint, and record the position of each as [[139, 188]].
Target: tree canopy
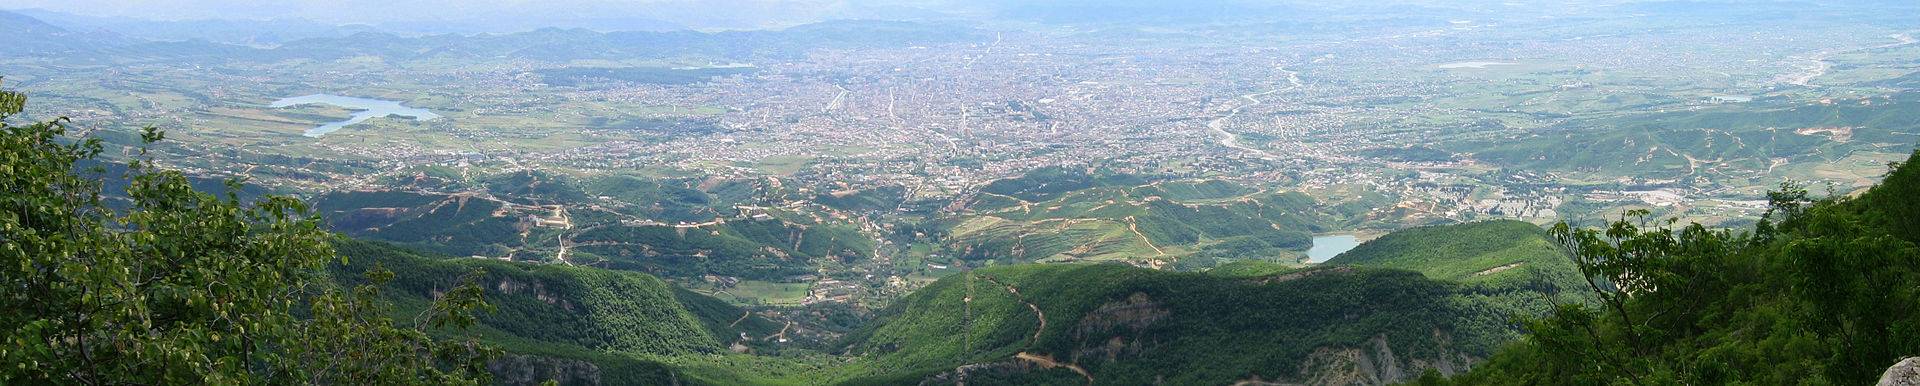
[[1820, 291]]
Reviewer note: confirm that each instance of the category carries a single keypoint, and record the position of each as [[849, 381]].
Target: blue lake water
[[366, 109], [1326, 247]]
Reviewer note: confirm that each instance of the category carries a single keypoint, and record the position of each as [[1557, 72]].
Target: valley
[[1280, 194]]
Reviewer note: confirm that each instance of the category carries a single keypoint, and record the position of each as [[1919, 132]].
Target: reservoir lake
[[365, 109], [1328, 246]]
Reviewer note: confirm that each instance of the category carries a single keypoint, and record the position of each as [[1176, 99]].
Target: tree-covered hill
[[1115, 324], [1819, 292], [566, 323], [1374, 320], [1499, 250]]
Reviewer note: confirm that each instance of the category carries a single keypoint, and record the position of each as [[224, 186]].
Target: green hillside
[[452, 224], [1820, 291], [1046, 324], [1058, 215], [552, 318], [1500, 250], [1024, 324], [671, 199], [661, 226]]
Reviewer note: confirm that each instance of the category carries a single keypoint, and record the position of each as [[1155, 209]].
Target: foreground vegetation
[[1819, 292], [163, 284], [575, 324]]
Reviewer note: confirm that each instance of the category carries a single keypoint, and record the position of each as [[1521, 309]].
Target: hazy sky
[[382, 11], [510, 15]]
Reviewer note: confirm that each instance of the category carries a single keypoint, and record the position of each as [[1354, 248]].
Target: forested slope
[[1487, 251], [567, 323], [1115, 324], [1819, 292]]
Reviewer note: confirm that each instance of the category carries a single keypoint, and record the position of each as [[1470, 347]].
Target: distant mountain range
[[228, 31], [120, 40]]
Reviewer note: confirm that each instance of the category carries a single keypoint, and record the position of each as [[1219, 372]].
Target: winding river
[[1231, 140]]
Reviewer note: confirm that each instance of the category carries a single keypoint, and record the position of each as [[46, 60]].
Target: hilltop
[[1486, 251], [1114, 324]]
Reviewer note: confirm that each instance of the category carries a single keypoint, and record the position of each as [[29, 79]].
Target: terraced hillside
[[719, 230], [1058, 215], [672, 227]]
